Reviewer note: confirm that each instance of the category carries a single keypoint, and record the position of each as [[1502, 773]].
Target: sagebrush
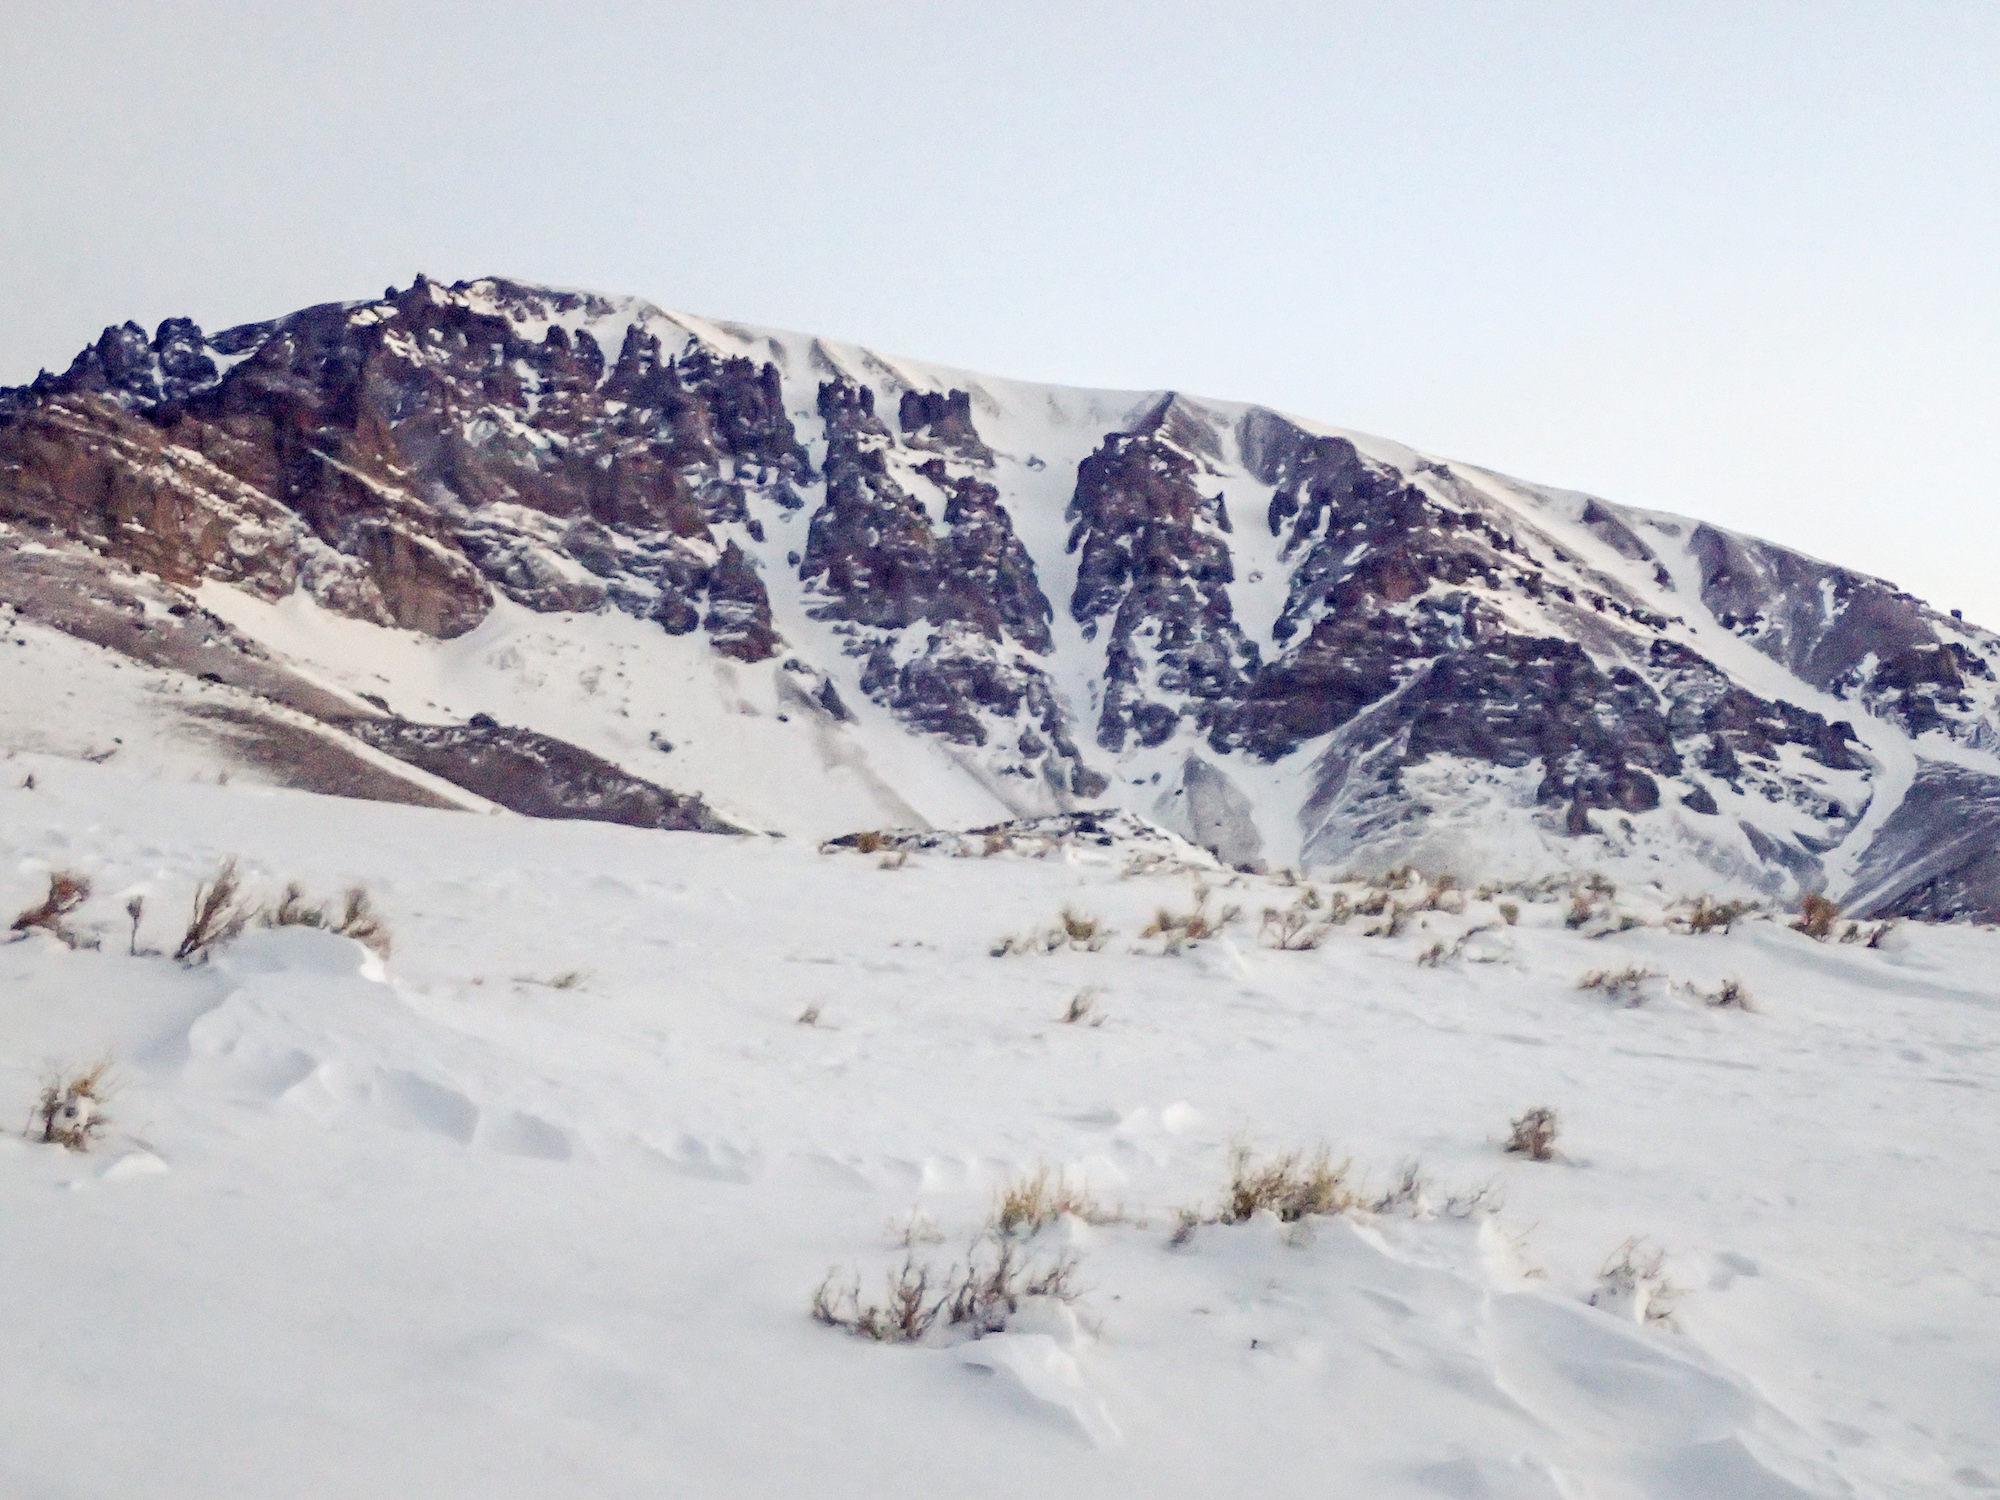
[[71, 1109]]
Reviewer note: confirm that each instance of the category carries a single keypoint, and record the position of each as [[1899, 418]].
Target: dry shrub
[[904, 1315], [1635, 1283], [1710, 915], [135, 909], [292, 910], [1872, 937], [71, 1110], [1372, 905], [809, 1016], [996, 843], [1296, 1187], [1291, 1186], [868, 842], [1590, 897], [1177, 929], [1072, 931], [1534, 1135], [1028, 1204], [1083, 1008], [67, 892], [1444, 895], [1509, 913], [1296, 928], [360, 921], [1393, 922], [218, 917], [979, 1296], [1732, 996], [1817, 915], [1434, 956], [1627, 986]]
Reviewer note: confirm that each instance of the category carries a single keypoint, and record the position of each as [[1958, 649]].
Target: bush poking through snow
[[1027, 1205], [1534, 1135], [977, 1297], [1177, 929], [359, 920], [218, 918], [1709, 915], [1295, 1187], [905, 1314], [1073, 931], [986, 1296], [1083, 1008], [1291, 1186], [1817, 915], [1626, 986], [809, 1016], [1297, 928], [1634, 1285], [1444, 895], [1589, 899], [1393, 921], [291, 910], [71, 1110], [1732, 996], [66, 893]]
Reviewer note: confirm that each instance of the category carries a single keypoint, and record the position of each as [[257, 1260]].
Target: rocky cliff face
[[1293, 643]]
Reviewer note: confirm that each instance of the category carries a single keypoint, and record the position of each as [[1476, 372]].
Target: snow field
[[538, 1205]]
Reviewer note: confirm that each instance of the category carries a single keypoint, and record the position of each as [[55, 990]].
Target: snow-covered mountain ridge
[[816, 588]]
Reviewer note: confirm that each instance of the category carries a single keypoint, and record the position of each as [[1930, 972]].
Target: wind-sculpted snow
[[935, 597], [536, 1204]]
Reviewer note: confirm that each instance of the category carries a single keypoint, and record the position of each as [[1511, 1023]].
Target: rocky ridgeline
[[407, 460]]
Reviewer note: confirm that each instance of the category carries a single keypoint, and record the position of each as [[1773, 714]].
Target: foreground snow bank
[[539, 1206]]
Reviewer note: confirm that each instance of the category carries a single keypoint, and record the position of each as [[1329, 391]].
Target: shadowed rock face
[[1154, 558], [535, 774], [886, 564], [1846, 633], [1938, 855]]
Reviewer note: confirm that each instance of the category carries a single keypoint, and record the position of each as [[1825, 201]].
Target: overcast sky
[[1736, 260]]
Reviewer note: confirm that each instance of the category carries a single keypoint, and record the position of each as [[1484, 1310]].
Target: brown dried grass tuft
[[67, 892], [1817, 914], [1534, 1135], [218, 917], [71, 1110], [1028, 1204]]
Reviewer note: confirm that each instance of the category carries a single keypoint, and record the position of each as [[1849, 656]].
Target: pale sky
[[1736, 260]]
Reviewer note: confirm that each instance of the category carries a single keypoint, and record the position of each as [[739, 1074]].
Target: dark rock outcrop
[[535, 774], [406, 458], [1154, 557]]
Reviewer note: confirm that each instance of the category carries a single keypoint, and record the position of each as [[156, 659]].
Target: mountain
[[501, 545]]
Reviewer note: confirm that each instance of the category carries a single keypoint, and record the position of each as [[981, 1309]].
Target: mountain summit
[[497, 544]]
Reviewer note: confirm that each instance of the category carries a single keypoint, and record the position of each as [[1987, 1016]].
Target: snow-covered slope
[[538, 1205], [853, 590]]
